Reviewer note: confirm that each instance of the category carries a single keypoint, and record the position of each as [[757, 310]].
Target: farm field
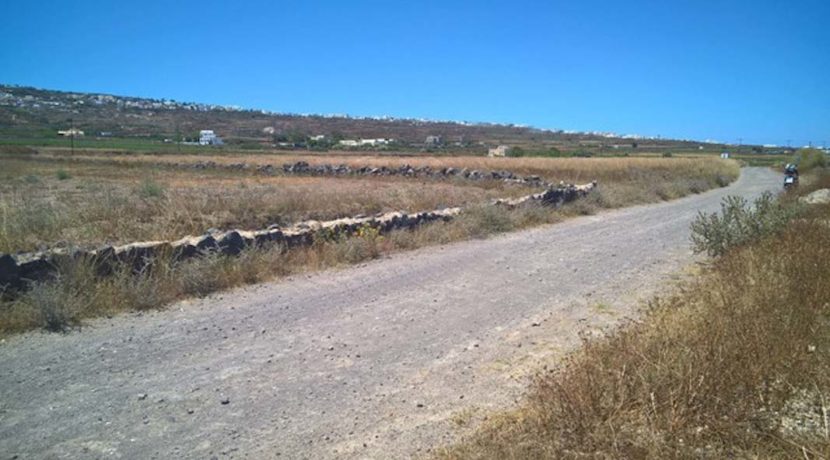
[[47, 203], [86, 201], [552, 169], [92, 199]]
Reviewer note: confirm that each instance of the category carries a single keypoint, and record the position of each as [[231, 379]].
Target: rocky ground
[[384, 360]]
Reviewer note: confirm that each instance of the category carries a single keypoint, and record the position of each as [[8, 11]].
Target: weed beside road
[[736, 364]]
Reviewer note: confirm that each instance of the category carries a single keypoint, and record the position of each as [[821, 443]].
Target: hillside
[[34, 116]]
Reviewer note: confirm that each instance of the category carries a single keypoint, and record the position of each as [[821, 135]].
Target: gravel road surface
[[383, 360]]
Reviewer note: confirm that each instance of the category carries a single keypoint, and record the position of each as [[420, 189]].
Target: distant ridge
[[28, 112]]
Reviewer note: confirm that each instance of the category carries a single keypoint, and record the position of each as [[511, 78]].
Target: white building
[[375, 142], [500, 151], [364, 142], [73, 132], [208, 137], [433, 140]]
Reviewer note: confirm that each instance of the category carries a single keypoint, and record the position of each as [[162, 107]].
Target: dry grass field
[[46, 203], [577, 170], [96, 199], [90, 200]]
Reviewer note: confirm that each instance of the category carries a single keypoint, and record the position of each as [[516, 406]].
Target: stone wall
[[552, 196], [19, 271], [304, 168], [406, 170]]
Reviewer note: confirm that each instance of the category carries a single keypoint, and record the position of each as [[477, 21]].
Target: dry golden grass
[[90, 200], [87, 202], [101, 203], [735, 365], [574, 170]]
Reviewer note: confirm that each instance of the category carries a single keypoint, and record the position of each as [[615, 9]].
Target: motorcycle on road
[[790, 176]]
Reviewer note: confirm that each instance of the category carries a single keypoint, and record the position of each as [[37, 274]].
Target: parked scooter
[[790, 176]]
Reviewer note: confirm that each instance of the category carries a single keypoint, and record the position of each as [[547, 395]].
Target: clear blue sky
[[757, 70]]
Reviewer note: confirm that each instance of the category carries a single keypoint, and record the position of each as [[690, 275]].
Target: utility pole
[[72, 135]]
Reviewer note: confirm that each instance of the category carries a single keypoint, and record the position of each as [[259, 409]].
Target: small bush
[[62, 174], [202, 276], [739, 224], [54, 306], [516, 152], [150, 189], [484, 220], [31, 179], [809, 159]]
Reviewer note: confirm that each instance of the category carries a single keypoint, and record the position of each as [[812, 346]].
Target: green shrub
[[739, 223], [481, 221], [516, 152], [62, 174], [552, 152], [54, 306], [150, 189], [808, 159]]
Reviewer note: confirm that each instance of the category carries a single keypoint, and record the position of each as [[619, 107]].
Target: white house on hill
[[73, 132], [208, 137], [500, 151]]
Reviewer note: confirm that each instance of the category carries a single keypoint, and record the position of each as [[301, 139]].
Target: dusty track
[[379, 360]]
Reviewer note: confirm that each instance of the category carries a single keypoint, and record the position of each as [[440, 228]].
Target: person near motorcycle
[[790, 175]]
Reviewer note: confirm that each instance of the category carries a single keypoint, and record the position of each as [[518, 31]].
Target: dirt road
[[384, 360]]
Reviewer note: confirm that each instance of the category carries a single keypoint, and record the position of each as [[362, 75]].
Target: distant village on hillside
[[29, 112]]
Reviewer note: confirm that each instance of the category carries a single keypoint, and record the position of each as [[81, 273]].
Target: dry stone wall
[[342, 170], [17, 272], [302, 167], [552, 196]]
